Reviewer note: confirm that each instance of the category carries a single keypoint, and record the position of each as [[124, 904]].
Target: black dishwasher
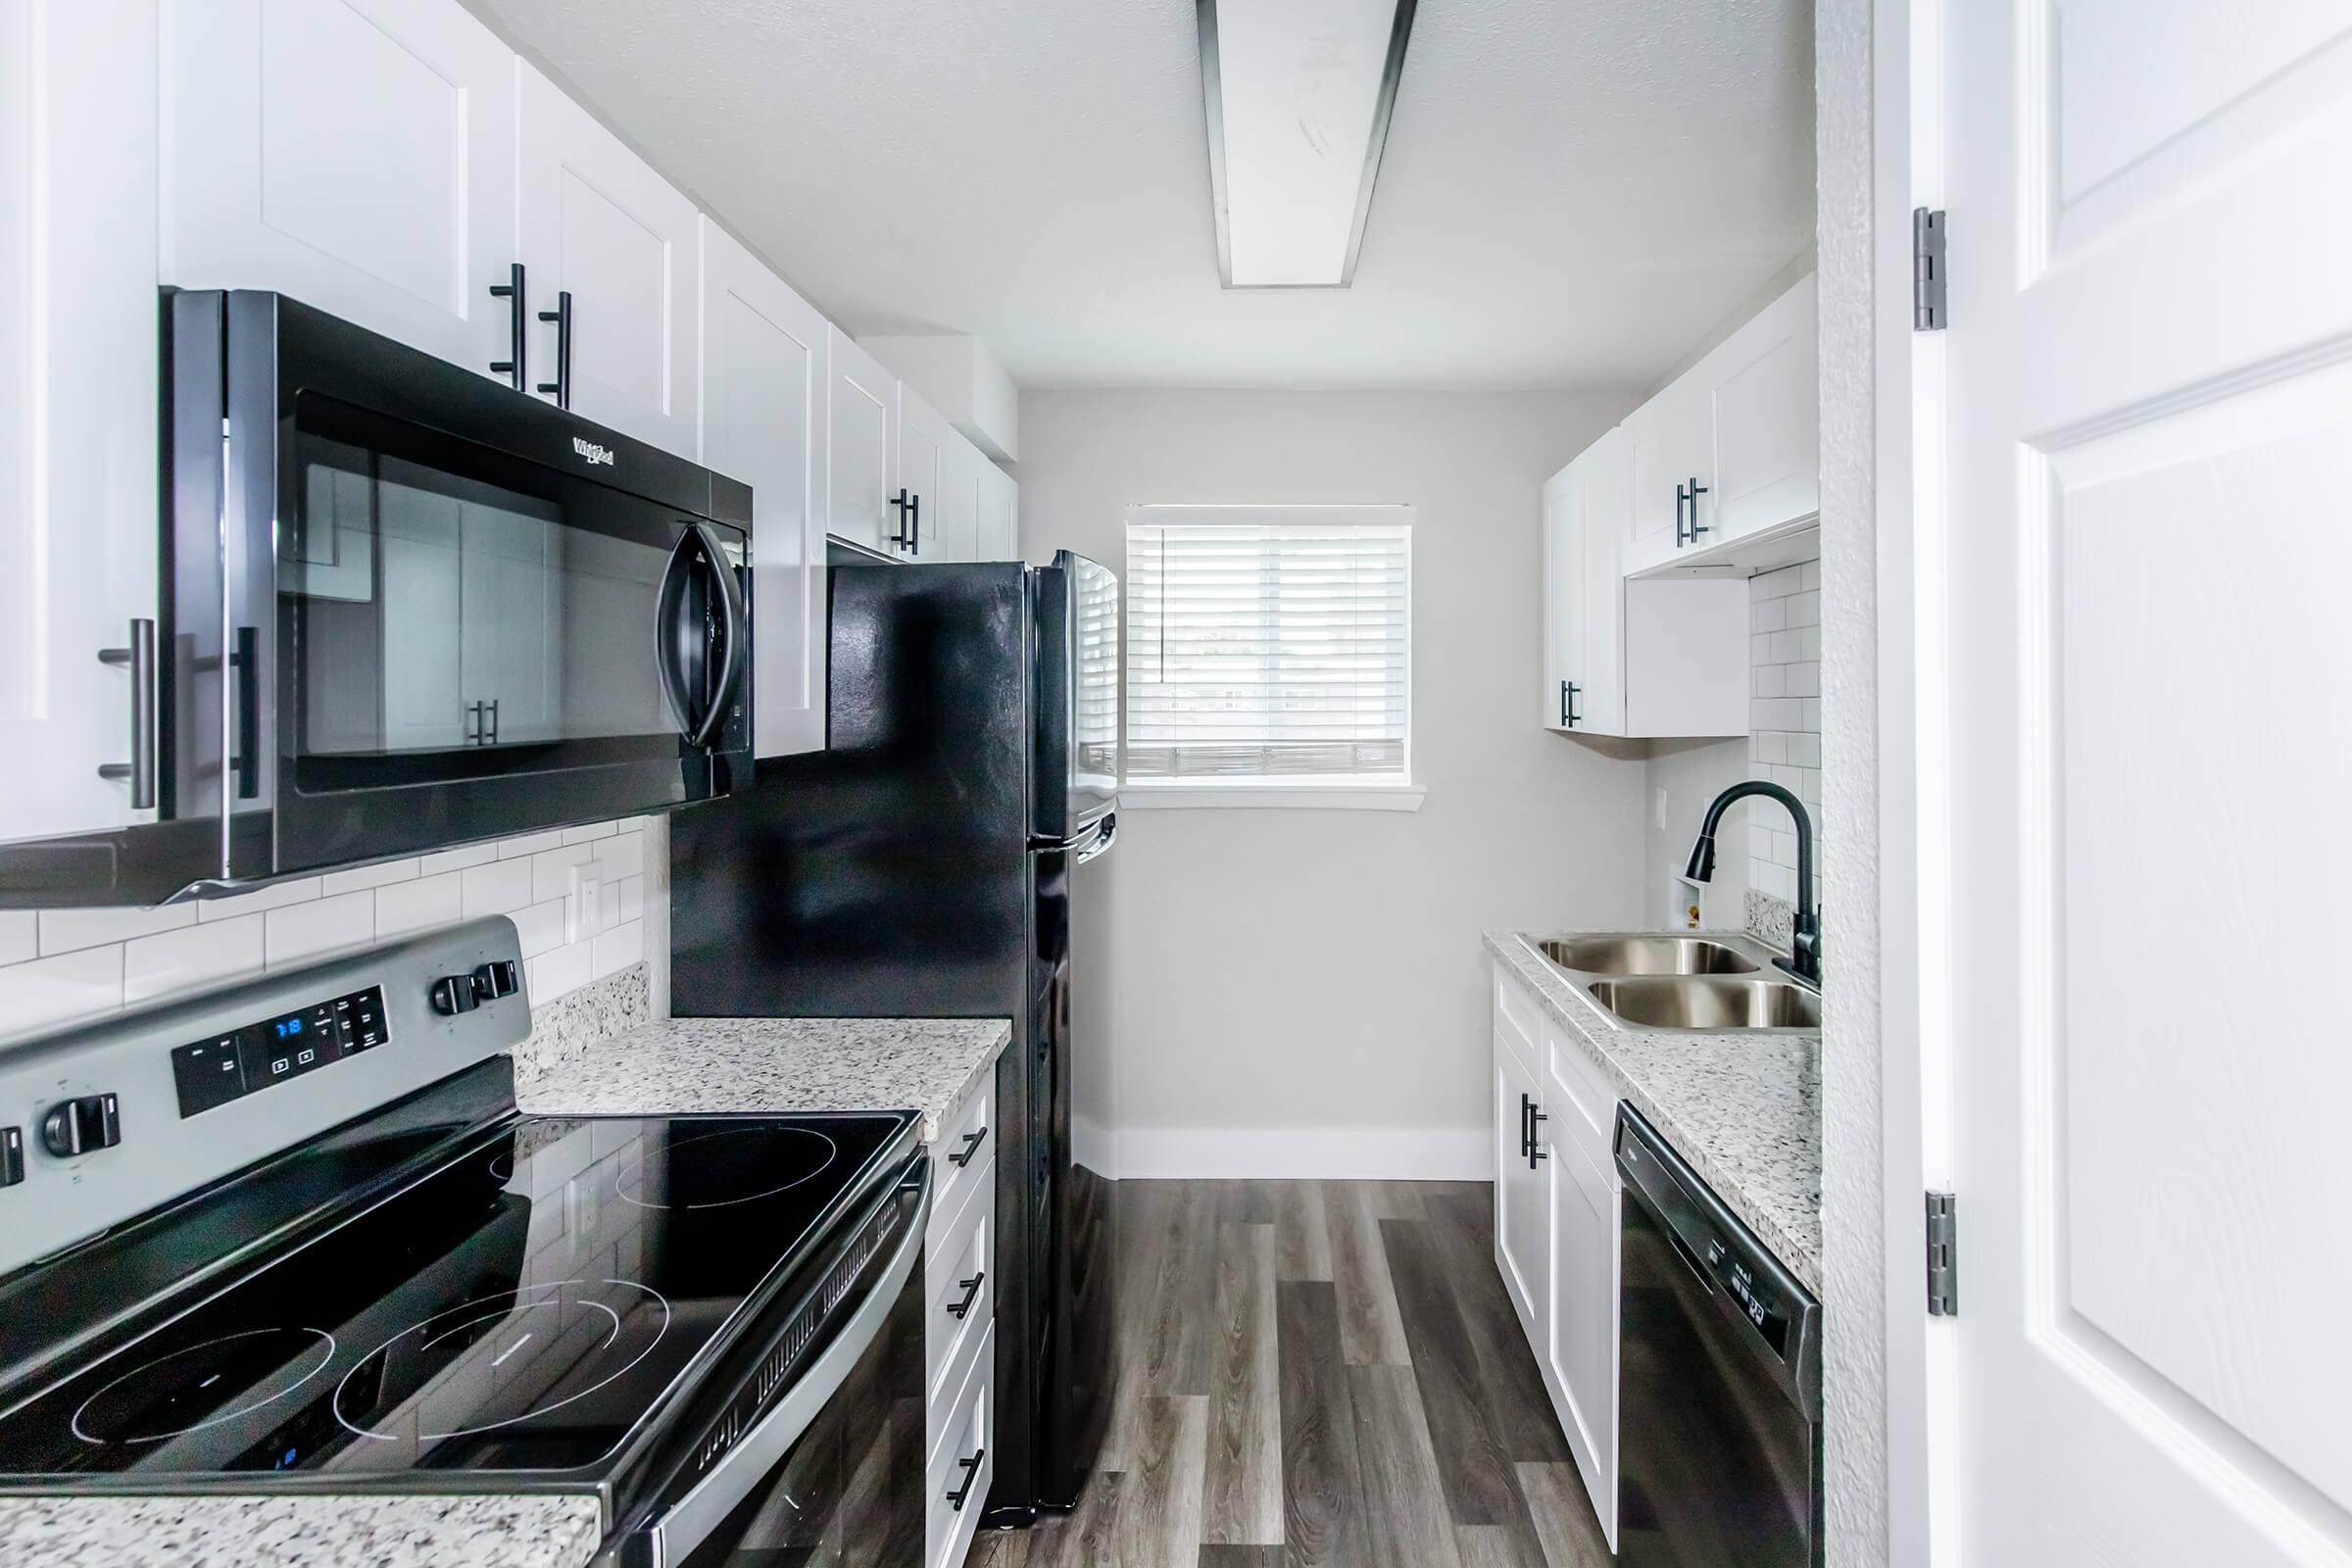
[[1719, 1380]]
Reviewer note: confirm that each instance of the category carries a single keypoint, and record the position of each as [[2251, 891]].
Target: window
[[1268, 646]]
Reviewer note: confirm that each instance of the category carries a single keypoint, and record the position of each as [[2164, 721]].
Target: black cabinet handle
[[1688, 495], [971, 1294], [246, 661], [1536, 1153], [971, 1145], [914, 515], [518, 310], [561, 387], [1571, 718], [971, 1474], [907, 503], [139, 771], [1527, 1131]]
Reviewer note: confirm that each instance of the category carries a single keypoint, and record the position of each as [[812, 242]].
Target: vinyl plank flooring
[[1396, 1199], [1406, 1522], [1480, 1485], [1243, 1487], [1242, 1557], [1248, 1202], [1462, 1228], [1160, 1505], [1087, 1536], [1370, 1332], [1322, 1484], [1301, 1239], [1563, 1516], [1182, 1311], [1004, 1549]]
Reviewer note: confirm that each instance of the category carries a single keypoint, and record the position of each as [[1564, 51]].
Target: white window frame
[[1382, 794]]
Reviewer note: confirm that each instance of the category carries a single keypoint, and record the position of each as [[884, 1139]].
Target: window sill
[[1271, 797]]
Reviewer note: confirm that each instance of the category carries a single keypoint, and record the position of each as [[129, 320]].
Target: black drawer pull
[[971, 1294], [1535, 1152], [971, 1474], [971, 1145]]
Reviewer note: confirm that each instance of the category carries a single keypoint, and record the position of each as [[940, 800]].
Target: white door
[[1604, 509], [2150, 412], [1563, 596], [600, 226], [1580, 1354], [764, 413], [77, 403], [1519, 1195], [920, 441], [861, 404], [358, 154], [996, 527]]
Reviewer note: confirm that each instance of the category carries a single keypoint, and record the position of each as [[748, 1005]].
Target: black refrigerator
[[942, 858]]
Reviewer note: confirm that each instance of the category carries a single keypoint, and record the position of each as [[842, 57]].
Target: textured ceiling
[[1574, 191]]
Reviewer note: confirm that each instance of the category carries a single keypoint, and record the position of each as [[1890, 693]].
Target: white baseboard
[[1291, 1153]]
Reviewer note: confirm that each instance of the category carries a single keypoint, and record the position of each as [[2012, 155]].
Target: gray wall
[[1304, 990]]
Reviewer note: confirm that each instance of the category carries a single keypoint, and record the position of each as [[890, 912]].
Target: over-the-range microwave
[[406, 607]]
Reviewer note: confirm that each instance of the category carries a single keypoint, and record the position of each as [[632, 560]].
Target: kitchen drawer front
[[1591, 1099], [965, 1152], [953, 1259], [1518, 1021], [969, 1435]]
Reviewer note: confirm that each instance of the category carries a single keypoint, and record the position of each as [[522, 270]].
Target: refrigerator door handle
[[1104, 837]]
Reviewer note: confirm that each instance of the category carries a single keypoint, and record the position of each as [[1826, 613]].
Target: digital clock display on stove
[[228, 1066]]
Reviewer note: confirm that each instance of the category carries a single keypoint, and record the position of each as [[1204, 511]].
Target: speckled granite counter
[[1744, 1109], [300, 1532], [689, 1066]]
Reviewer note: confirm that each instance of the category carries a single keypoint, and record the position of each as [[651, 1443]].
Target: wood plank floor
[[1317, 1375]]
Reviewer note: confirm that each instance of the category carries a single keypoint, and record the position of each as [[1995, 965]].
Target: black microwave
[[407, 607]]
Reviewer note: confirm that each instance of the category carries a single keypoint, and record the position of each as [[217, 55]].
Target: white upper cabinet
[[958, 513], [997, 528], [863, 409], [922, 470], [604, 229], [1563, 598], [78, 407], [763, 365], [1732, 449], [358, 154]]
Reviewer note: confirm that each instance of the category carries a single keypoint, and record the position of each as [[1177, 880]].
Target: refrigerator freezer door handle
[[1104, 837]]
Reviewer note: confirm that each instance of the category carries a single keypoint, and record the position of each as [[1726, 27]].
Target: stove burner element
[[712, 1170], [600, 1328], [171, 1394]]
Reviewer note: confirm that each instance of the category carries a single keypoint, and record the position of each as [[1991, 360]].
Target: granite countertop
[[692, 1066], [1744, 1109], [318, 1532]]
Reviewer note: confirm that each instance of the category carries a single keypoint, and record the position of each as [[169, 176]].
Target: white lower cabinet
[[960, 1303], [1557, 1226]]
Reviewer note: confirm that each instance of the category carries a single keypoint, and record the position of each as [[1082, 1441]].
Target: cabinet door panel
[[1520, 1223], [78, 549], [358, 154], [996, 527], [863, 410], [1564, 605], [600, 225], [763, 402], [1580, 1357], [1767, 416], [921, 465], [1604, 509], [958, 519]]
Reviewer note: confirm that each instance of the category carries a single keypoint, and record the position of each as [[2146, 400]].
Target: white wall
[[59, 966], [1303, 992]]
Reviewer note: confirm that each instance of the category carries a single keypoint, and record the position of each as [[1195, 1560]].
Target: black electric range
[[442, 1294]]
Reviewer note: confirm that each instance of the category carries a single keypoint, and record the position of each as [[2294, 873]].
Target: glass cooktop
[[520, 1309]]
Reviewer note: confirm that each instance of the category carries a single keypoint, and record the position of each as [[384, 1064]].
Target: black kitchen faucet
[[1804, 948]]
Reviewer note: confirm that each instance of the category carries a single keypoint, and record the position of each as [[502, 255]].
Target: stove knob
[[454, 993], [81, 1126], [492, 981]]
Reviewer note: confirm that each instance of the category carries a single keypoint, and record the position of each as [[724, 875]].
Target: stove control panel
[[117, 1116], [250, 1057]]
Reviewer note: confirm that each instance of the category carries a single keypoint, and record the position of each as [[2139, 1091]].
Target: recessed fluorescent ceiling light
[[1298, 96]]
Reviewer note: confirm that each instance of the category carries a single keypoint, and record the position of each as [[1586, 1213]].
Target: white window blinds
[[1268, 643]]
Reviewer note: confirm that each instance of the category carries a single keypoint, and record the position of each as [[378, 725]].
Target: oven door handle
[[677, 628], [682, 1527]]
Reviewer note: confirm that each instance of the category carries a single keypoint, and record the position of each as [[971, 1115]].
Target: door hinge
[[1928, 310], [1943, 1256]]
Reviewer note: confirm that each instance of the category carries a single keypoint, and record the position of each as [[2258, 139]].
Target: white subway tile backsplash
[[551, 869], [630, 902], [529, 845], [195, 955], [303, 930], [1803, 749], [540, 926], [622, 854], [588, 834], [458, 859], [276, 896], [417, 905], [1769, 680], [64, 930], [1804, 610], [615, 949], [1785, 647], [496, 888], [563, 969], [1802, 680], [368, 876], [1767, 614], [58, 990], [1785, 737], [1809, 575]]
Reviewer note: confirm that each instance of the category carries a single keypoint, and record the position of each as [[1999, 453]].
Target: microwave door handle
[[677, 623]]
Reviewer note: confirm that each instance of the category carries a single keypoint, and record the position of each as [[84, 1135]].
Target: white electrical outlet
[[582, 908]]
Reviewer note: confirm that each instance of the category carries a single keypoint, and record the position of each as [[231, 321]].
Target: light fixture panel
[[1298, 94]]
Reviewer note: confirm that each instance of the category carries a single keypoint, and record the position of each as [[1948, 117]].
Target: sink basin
[[1708, 1001], [1647, 955]]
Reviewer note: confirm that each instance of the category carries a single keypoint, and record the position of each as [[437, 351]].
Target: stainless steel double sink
[[1706, 985]]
